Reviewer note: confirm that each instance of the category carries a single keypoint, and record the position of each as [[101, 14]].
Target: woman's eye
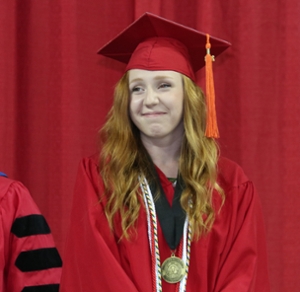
[[136, 89], [164, 85]]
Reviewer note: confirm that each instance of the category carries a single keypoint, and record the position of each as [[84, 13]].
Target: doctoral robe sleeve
[[91, 259], [243, 260], [29, 260]]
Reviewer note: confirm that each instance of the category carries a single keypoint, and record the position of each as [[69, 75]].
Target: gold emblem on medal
[[173, 269]]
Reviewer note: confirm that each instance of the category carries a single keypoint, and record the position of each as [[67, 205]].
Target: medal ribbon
[[153, 242]]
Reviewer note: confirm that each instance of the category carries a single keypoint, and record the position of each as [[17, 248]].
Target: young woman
[[158, 209]]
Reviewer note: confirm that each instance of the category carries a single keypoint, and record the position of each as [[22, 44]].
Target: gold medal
[[173, 269]]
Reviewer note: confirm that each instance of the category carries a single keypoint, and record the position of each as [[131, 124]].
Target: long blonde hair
[[123, 159]]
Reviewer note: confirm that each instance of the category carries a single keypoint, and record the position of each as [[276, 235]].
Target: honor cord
[[153, 240]]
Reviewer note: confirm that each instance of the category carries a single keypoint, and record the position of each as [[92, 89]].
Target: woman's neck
[[164, 154]]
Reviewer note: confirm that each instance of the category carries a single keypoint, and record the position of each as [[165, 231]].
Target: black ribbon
[[171, 218]]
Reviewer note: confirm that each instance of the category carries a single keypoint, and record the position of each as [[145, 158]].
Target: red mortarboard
[[155, 43], [123, 46]]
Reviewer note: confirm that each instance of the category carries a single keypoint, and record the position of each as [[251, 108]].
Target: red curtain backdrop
[[55, 92]]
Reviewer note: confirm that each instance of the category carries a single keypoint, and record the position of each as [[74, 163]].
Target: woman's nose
[[151, 97]]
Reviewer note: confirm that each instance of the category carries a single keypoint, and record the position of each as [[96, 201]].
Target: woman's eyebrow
[[135, 80]]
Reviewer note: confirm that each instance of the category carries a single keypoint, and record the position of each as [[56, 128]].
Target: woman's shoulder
[[88, 171], [92, 160], [238, 189], [89, 165], [230, 174]]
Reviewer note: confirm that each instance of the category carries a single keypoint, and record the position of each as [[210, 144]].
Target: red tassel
[[211, 119]]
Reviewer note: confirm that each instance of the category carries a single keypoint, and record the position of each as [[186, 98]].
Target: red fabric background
[[55, 91]]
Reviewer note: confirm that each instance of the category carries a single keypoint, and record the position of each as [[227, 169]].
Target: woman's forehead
[[135, 74]]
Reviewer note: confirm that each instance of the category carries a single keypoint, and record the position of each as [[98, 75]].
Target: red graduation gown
[[232, 257], [29, 260]]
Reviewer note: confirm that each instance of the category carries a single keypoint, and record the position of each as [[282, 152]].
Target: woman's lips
[[153, 114]]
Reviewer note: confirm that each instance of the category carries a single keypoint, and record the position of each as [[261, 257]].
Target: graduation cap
[[155, 43]]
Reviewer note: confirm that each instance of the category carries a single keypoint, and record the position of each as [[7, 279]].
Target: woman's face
[[156, 103]]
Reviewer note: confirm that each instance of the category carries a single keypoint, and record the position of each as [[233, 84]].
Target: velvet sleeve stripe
[[38, 259], [42, 288], [30, 225]]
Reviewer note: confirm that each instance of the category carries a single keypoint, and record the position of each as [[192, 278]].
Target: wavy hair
[[123, 159]]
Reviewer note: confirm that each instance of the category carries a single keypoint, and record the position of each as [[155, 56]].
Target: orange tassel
[[211, 119]]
